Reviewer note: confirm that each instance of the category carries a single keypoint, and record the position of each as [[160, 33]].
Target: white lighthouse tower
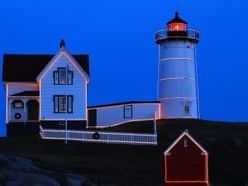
[[178, 90]]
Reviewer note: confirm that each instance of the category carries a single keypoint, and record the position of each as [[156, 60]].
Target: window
[[63, 104], [128, 111], [18, 104], [70, 104], [63, 76], [177, 27], [187, 107]]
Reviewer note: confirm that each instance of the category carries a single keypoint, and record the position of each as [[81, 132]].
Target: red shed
[[186, 163]]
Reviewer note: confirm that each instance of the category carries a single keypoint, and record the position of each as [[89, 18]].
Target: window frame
[[70, 107], [68, 79], [17, 101], [59, 75], [187, 107], [127, 115], [56, 104]]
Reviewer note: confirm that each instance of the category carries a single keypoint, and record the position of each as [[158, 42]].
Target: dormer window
[[63, 76]]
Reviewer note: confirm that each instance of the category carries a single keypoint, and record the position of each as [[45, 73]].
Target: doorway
[[33, 110]]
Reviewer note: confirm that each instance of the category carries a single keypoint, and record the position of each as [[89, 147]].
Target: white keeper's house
[[51, 88]]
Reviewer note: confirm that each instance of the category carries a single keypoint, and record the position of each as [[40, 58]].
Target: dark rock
[[16, 171]]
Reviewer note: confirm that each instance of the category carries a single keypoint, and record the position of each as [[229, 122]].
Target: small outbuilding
[[186, 163]]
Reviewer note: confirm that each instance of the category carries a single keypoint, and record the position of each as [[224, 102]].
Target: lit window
[[128, 111], [18, 104], [63, 103], [177, 27]]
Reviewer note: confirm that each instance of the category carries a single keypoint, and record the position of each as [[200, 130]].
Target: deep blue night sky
[[119, 37]]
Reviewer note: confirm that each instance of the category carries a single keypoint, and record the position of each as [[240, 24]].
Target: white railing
[[99, 137], [189, 34]]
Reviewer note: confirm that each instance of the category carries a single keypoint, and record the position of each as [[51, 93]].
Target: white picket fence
[[99, 137]]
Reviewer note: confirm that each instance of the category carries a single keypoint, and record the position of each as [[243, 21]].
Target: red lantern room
[[177, 24], [177, 29]]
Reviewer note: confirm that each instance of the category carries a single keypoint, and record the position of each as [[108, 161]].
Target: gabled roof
[[185, 133], [63, 53], [26, 67]]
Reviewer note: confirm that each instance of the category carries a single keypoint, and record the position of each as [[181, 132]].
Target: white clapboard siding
[[113, 115], [78, 90]]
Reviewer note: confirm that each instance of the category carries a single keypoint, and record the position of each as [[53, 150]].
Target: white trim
[[206, 168], [170, 59], [105, 141], [7, 103], [179, 138], [158, 71], [76, 65], [197, 80], [152, 139], [92, 132], [63, 52], [86, 105], [176, 78], [171, 98], [40, 100], [178, 117]]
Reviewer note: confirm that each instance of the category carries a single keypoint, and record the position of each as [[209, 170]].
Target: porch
[[23, 107]]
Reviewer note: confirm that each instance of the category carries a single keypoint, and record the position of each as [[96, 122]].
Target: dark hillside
[[227, 144]]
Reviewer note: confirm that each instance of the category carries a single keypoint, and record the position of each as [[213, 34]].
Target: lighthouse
[[177, 86]]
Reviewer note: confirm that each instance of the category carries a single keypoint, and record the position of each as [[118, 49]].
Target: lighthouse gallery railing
[[189, 34]]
